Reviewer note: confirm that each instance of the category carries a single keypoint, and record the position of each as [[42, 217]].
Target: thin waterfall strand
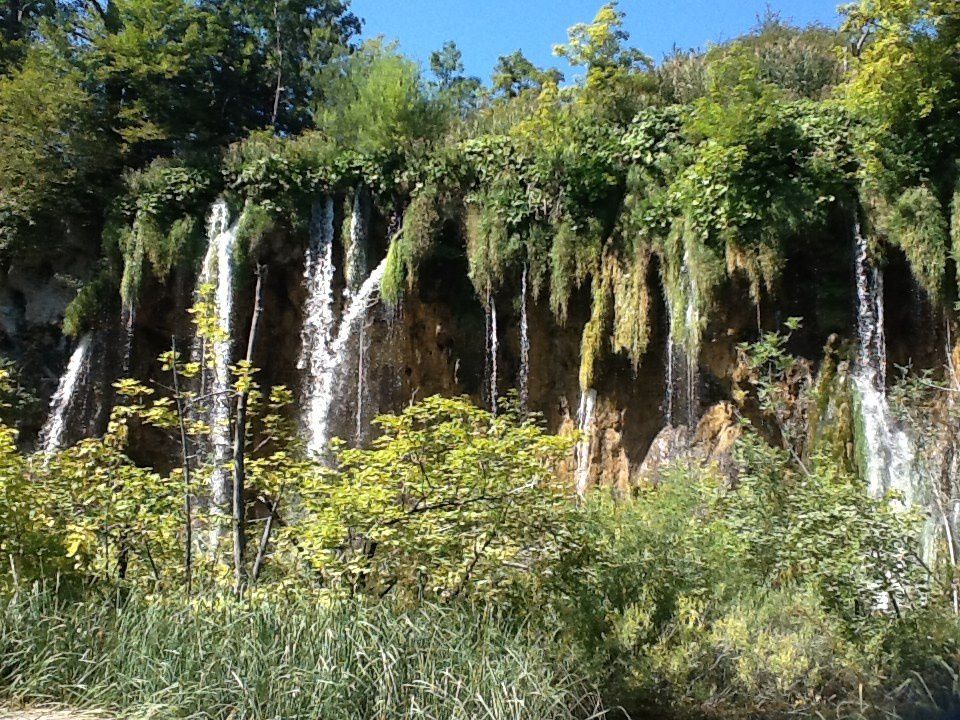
[[588, 404], [361, 388], [318, 316], [355, 263], [524, 345], [681, 394], [128, 321], [492, 351], [71, 383], [691, 353]]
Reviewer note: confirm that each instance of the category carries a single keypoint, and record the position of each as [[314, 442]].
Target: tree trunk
[[279, 50], [185, 464], [239, 446]]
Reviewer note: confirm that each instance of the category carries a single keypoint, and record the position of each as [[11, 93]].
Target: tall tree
[[461, 91], [515, 74]]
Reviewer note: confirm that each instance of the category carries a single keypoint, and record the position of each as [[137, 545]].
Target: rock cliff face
[[435, 342]]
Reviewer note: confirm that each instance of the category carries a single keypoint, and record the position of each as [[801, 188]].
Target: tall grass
[[269, 660]]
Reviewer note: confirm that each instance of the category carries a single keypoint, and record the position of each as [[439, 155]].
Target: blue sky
[[486, 29]]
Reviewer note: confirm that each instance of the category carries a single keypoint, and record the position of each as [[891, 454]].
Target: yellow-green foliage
[[489, 247], [421, 227], [690, 271], [917, 223], [450, 500], [574, 256], [132, 246], [597, 331], [90, 301], [631, 306], [955, 229], [255, 222], [830, 432], [181, 233]]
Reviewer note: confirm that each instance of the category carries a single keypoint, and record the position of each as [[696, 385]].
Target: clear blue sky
[[486, 29]]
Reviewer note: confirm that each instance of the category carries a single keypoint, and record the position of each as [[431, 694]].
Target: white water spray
[[492, 350], [218, 267], [361, 389], [524, 345], [682, 392], [355, 262], [588, 403], [324, 386], [53, 434], [318, 317], [128, 321], [888, 451]]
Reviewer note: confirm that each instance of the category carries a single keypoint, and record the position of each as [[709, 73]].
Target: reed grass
[[282, 660]]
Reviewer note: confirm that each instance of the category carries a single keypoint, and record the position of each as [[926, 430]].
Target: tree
[[614, 79], [373, 101], [514, 74], [450, 500], [599, 46], [453, 86], [905, 82], [50, 149]]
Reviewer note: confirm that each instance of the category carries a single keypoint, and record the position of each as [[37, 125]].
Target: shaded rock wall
[[434, 342]]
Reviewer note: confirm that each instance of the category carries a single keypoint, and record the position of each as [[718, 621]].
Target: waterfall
[[888, 449], [73, 380], [588, 403], [492, 350], [217, 270], [524, 345], [318, 317], [128, 321], [355, 262], [361, 388], [324, 385], [682, 393]]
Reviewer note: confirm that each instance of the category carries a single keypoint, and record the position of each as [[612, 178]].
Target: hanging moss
[[955, 230], [131, 242], [537, 257], [94, 299], [255, 222], [491, 247], [183, 234], [690, 271], [596, 333], [394, 275], [762, 265], [917, 224], [631, 304], [573, 258], [421, 227], [831, 425]]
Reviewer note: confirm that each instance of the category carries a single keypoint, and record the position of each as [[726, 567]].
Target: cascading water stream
[[318, 316], [492, 351], [128, 321], [681, 395], [887, 450], [355, 262], [325, 385], [524, 345], [588, 404], [361, 389], [53, 434], [218, 267]]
